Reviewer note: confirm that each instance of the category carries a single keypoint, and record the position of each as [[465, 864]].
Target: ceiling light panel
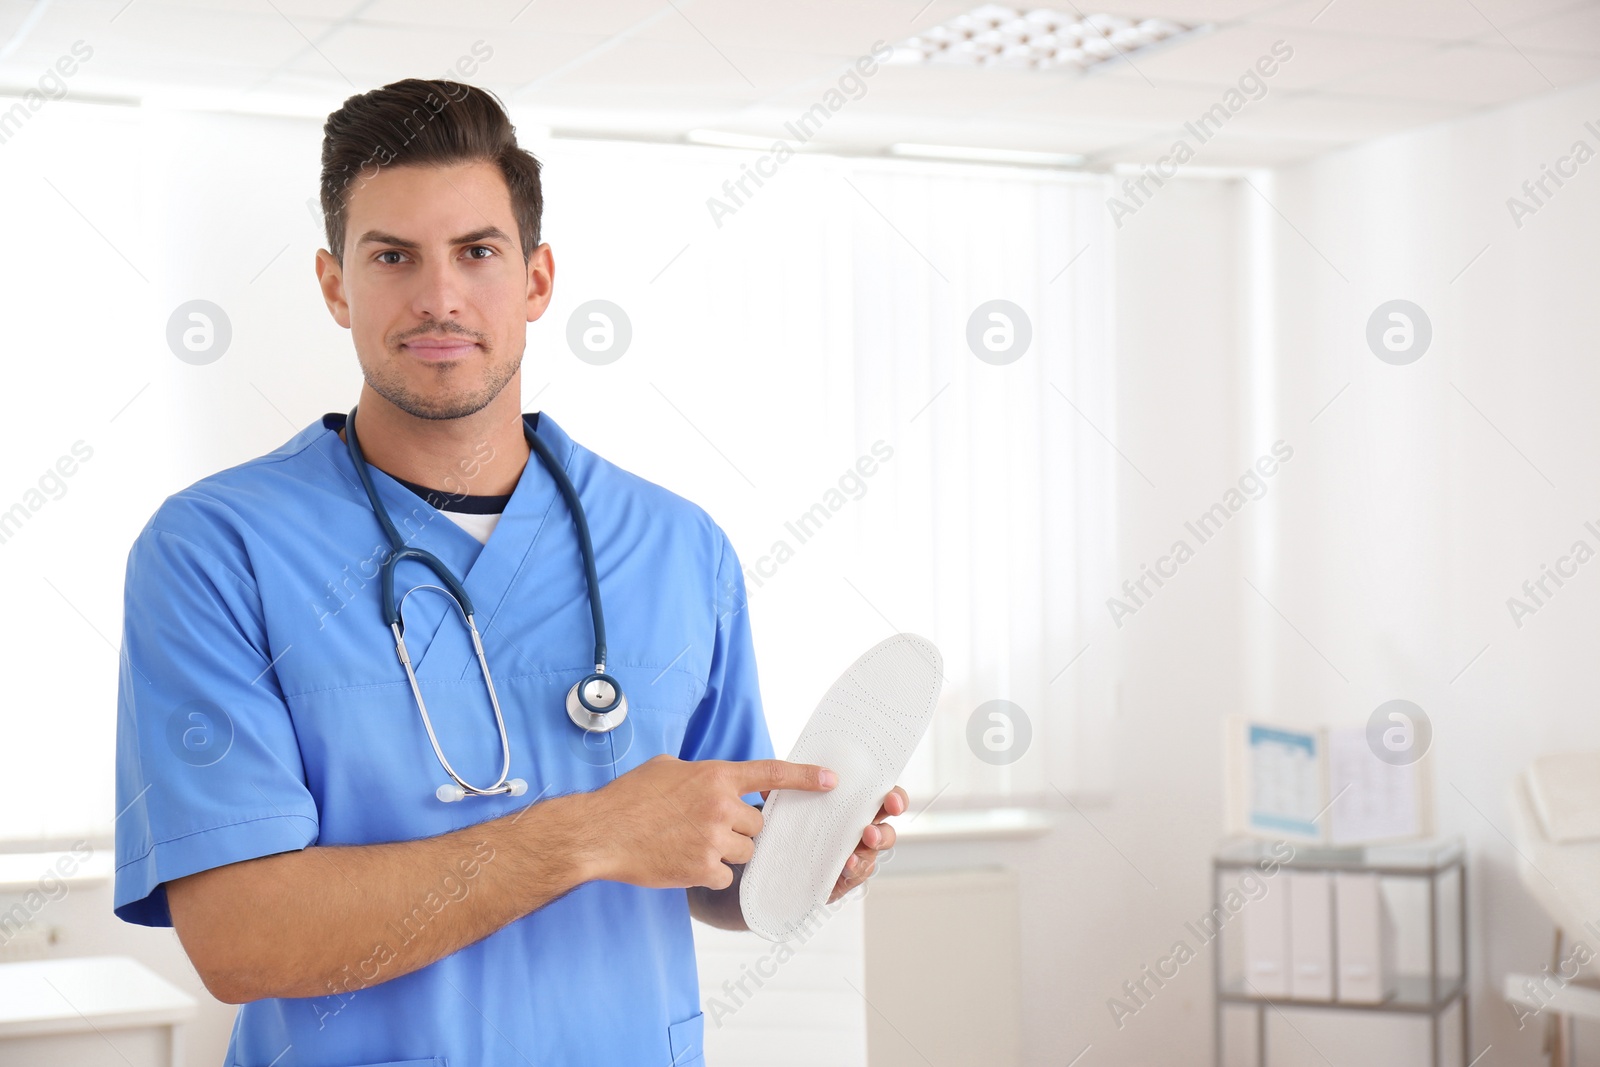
[[1037, 39]]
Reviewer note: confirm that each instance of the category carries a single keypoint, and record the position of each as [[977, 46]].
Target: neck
[[481, 454]]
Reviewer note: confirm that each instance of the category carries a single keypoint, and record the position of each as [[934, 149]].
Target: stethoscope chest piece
[[596, 704]]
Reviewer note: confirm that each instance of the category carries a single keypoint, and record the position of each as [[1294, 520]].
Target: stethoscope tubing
[[587, 715]]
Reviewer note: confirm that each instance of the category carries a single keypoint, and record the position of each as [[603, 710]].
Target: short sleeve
[[208, 767], [729, 723]]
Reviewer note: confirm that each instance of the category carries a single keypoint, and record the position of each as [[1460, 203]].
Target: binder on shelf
[[1266, 945], [1365, 939], [1310, 935], [1322, 935]]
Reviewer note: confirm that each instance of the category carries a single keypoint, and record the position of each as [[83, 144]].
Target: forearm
[[331, 920], [719, 907]]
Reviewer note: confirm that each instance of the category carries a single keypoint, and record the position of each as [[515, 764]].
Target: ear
[[541, 281], [330, 279]]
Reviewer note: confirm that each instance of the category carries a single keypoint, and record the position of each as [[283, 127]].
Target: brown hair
[[419, 122]]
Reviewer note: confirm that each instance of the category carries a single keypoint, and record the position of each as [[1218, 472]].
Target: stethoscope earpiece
[[450, 792]]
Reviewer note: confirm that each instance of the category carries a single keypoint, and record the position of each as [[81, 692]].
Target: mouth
[[439, 349]]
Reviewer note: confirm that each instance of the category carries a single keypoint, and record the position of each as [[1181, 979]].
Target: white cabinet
[[944, 969], [100, 1010]]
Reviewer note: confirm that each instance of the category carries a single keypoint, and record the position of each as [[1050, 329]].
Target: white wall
[[1415, 505], [1411, 516]]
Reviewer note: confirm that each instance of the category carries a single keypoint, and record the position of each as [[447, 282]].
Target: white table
[[89, 1011]]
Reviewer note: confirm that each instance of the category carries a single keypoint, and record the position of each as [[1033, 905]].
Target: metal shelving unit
[[1429, 995]]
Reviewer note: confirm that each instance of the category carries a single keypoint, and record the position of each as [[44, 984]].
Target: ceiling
[[661, 68]]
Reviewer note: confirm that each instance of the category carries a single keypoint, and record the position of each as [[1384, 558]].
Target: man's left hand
[[875, 839]]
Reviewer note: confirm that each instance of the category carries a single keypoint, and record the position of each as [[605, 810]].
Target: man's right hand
[[664, 824], [671, 824]]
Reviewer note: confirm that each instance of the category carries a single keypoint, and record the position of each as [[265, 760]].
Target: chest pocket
[[660, 704]]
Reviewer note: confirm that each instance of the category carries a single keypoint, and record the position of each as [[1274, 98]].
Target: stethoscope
[[595, 703]]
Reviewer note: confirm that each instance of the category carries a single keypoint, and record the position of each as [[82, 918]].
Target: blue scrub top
[[261, 709]]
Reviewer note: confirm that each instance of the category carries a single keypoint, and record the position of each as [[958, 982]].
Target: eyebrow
[[484, 234]]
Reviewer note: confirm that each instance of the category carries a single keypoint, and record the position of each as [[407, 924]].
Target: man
[[278, 780]]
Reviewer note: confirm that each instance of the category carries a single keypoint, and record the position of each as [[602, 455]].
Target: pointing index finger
[[766, 774]]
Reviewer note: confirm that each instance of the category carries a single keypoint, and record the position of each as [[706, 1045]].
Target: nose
[[440, 294]]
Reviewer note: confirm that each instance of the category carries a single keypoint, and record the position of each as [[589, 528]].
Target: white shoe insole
[[864, 730]]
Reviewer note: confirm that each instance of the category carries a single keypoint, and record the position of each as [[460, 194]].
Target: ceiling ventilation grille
[[1038, 39]]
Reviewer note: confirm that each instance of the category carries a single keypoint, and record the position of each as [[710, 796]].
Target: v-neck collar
[[487, 570]]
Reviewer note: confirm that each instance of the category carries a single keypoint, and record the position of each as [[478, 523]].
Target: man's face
[[433, 287]]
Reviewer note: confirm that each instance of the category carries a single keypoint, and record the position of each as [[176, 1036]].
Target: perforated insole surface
[[865, 729]]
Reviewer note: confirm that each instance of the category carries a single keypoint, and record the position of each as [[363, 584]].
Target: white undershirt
[[479, 526]]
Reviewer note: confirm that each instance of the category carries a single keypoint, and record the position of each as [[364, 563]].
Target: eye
[[390, 252], [480, 248]]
